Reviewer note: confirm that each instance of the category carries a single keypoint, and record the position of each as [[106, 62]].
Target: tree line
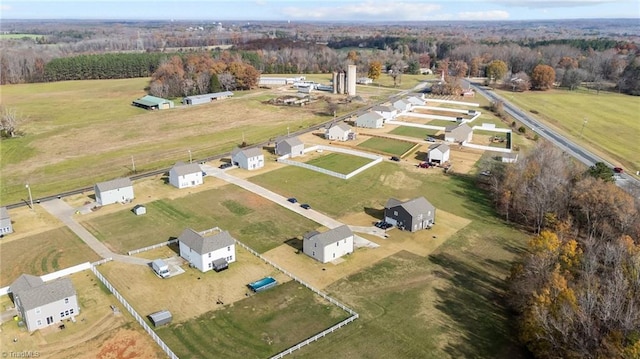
[[576, 290]]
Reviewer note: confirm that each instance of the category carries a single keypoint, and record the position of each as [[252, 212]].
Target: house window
[[229, 248], [395, 213], [209, 254], [66, 312], [210, 265], [39, 322], [337, 244], [61, 314], [315, 244], [71, 311], [334, 255], [66, 300], [313, 254], [38, 311]]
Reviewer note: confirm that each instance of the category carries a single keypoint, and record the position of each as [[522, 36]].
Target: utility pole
[[582, 129], [190, 160], [30, 197], [133, 165]]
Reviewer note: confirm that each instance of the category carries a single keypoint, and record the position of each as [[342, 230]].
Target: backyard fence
[[55, 275], [135, 314], [136, 251], [314, 338]]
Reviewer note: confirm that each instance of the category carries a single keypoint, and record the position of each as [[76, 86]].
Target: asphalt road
[[624, 180]]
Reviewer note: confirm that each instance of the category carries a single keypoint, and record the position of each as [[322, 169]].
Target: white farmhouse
[[439, 153], [5, 222], [247, 158], [370, 120], [183, 175], [339, 132], [291, 146], [329, 245], [387, 112], [117, 190], [202, 251], [42, 304]]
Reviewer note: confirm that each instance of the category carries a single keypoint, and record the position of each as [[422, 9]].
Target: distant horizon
[[365, 11]]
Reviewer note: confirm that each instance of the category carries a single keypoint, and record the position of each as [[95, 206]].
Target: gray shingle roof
[[341, 125], [414, 206], [182, 169], [370, 116], [248, 152], [382, 108], [442, 147], [114, 184], [33, 292], [212, 95], [332, 236], [3, 213], [203, 245], [291, 141]]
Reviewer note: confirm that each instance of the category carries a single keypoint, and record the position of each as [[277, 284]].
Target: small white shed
[[139, 210]]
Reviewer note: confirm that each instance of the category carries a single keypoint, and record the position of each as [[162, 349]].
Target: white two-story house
[[201, 251]]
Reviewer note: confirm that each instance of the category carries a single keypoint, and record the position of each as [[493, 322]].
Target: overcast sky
[[309, 10]]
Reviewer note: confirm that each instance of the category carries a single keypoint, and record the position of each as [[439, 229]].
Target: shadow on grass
[[477, 201], [295, 243], [374, 212], [474, 301]]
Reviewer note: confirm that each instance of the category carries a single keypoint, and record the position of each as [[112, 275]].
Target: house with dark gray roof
[[5, 222], [41, 304], [291, 146], [411, 215], [202, 250], [117, 190], [330, 245], [247, 158], [184, 175]]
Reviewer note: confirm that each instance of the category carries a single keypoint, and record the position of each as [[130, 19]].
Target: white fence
[[55, 275], [314, 338], [135, 314], [488, 148], [136, 251], [472, 104], [376, 159], [411, 124], [313, 168]]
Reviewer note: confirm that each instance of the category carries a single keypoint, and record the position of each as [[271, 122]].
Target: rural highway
[[623, 180]]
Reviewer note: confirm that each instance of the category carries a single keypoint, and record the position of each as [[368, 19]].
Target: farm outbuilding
[[149, 102], [291, 146], [139, 210], [206, 98], [5, 222], [160, 318], [117, 190]]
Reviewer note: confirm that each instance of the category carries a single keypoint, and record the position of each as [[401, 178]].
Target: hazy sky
[[308, 10]]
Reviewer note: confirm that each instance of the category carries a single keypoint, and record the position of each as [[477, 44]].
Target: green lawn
[[612, 129], [339, 162], [416, 132], [257, 327], [259, 223], [443, 123], [387, 145], [448, 304], [42, 253]]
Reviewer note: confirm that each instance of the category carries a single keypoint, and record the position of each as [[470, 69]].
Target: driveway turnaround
[[61, 210]]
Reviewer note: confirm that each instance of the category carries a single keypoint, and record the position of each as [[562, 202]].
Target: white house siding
[[336, 250], [5, 221], [336, 133], [187, 180], [124, 194], [204, 262], [56, 312], [248, 162]]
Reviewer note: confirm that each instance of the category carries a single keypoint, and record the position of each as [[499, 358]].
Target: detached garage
[[160, 318]]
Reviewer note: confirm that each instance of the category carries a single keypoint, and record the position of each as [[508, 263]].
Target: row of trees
[[200, 73], [577, 288]]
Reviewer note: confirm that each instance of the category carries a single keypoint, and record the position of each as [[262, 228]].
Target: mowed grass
[[416, 132], [612, 129], [443, 123], [387, 145], [256, 327], [448, 304], [339, 162], [42, 253], [77, 133], [259, 223]]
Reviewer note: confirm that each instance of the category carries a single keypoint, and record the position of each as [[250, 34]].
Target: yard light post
[[582, 129], [30, 197], [190, 160]]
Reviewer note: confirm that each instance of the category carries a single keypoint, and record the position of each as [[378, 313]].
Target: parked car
[[395, 158], [423, 165], [292, 200], [383, 225], [618, 169], [225, 165], [305, 206], [430, 139]]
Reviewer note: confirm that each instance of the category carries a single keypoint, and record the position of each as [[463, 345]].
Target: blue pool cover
[[262, 284]]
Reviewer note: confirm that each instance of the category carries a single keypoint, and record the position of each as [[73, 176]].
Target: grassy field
[[257, 327], [259, 223], [443, 123], [42, 253], [611, 131], [387, 145], [339, 162], [416, 132], [447, 304], [76, 133]]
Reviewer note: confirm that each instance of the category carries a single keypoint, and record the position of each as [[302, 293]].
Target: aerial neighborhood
[[250, 189]]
